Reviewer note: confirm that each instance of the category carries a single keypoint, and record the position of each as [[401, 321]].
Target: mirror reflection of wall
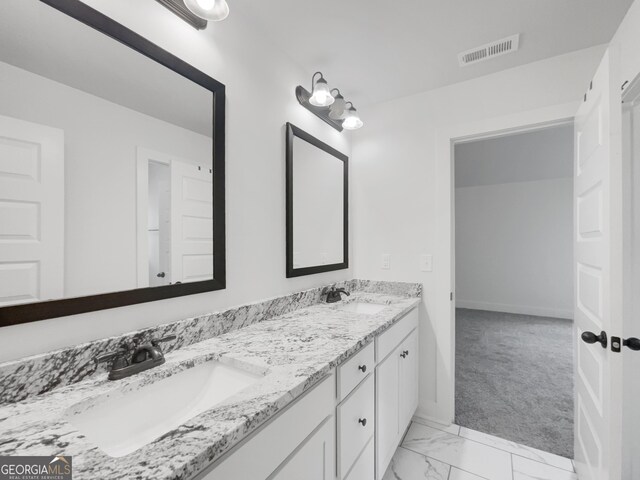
[[318, 205], [76, 109]]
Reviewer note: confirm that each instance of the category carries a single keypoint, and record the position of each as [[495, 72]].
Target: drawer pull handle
[[363, 421], [363, 368], [404, 354]]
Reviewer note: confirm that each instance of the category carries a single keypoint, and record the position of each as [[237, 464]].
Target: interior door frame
[[25, 313], [143, 157], [444, 304]]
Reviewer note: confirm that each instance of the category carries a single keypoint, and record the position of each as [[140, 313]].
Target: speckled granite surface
[[293, 351], [43, 373]]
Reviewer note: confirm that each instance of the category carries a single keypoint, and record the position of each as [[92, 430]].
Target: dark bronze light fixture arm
[[179, 8]]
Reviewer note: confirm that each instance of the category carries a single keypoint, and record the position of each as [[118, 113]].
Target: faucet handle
[[118, 358], [167, 338]]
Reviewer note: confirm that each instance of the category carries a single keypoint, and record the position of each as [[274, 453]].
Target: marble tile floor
[[430, 451]]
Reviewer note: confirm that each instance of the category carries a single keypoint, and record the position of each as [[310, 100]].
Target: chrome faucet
[[333, 295], [130, 359]]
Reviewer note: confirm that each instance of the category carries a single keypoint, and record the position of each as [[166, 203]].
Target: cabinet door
[[314, 460], [387, 411], [408, 379], [364, 467]]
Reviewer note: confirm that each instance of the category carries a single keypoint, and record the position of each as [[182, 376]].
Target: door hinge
[[451, 296]]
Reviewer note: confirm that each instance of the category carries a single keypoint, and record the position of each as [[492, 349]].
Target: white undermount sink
[[363, 307], [128, 420]]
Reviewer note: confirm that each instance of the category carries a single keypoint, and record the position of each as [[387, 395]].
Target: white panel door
[[598, 278], [191, 222], [631, 359], [31, 212]]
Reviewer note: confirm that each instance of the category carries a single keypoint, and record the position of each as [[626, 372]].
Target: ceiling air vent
[[490, 50]]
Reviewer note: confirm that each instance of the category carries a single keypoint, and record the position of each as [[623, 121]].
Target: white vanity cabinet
[[346, 428], [396, 387]]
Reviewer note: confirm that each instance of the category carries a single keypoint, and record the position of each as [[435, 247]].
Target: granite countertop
[[293, 352]]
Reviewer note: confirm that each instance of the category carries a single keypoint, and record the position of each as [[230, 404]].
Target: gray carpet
[[514, 378]]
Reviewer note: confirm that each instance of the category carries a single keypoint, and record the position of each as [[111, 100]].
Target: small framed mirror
[[317, 205]]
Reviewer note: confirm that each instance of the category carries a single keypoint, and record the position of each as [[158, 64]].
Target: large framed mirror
[[317, 184], [111, 166]]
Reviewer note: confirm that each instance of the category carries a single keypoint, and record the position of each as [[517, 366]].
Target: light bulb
[[213, 10], [321, 95], [206, 4], [352, 120]]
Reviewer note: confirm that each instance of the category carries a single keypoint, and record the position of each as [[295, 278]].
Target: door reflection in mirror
[[175, 234]]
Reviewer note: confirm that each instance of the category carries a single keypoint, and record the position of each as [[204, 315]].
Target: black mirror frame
[[291, 132], [30, 312]]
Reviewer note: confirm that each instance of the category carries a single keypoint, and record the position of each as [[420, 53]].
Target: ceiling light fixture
[[328, 105], [212, 10]]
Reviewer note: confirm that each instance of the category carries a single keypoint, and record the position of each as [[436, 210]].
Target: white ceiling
[[538, 155], [376, 50]]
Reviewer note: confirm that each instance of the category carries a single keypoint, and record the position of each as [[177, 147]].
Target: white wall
[[514, 247], [398, 185], [260, 85]]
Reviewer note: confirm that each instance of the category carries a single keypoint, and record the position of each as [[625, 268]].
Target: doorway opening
[[514, 286]]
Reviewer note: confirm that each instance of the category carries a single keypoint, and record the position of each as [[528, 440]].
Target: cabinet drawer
[[364, 467], [354, 370], [356, 418], [389, 340]]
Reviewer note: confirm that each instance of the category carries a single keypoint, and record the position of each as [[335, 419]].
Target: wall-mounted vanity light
[[198, 12], [336, 111], [320, 93], [329, 105], [212, 10], [351, 119]]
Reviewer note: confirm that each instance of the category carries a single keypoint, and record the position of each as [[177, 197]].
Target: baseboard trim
[[428, 418], [517, 309]]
